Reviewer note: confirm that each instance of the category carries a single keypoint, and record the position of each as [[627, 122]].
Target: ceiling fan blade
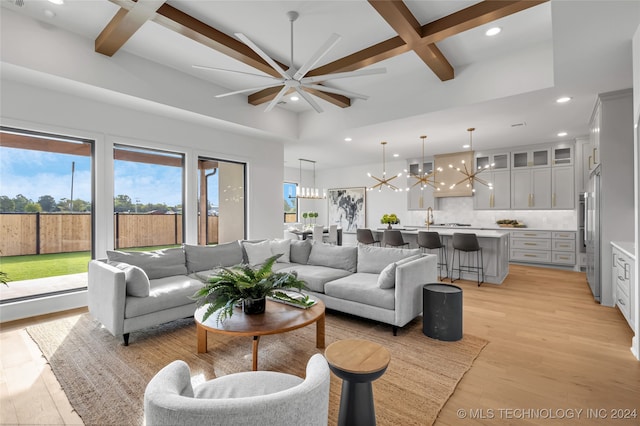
[[346, 93], [346, 74], [307, 97], [311, 62], [252, 89], [275, 100], [273, 64], [202, 67]]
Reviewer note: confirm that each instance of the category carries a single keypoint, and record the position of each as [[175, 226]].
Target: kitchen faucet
[[429, 217]]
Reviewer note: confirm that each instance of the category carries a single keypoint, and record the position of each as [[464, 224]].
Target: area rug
[[105, 381]]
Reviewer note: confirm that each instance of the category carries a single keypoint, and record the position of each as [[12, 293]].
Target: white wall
[[635, 347]]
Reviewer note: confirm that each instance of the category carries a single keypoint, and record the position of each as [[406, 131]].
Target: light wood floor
[[552, 351]]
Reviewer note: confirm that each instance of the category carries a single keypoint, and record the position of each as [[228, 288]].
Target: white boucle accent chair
[[262, 398]]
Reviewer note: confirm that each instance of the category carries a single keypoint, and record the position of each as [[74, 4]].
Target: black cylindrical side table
[[442, 311]]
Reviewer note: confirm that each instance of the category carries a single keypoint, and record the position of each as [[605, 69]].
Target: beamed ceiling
[[443, 75]]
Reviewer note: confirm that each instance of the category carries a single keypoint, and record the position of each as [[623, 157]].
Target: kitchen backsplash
[[460, 210]]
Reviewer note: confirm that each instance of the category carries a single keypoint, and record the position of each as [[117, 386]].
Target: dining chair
[[318, 231], [393, 238], [332, 238], [428, 240], [365, 236]]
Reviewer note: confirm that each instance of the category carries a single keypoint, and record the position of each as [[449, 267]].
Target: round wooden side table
[[357, 363]]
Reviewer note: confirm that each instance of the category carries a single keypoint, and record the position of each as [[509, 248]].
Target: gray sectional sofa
[[131, 291]]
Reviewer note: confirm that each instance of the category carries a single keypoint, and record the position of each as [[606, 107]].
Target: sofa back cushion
[[339, 257], [374, 259], [387, 277], [156, 264], [137, 281], [299, 252], [259, 251], [203, 258]]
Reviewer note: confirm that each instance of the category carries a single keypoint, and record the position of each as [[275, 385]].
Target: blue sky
[[37, 173]]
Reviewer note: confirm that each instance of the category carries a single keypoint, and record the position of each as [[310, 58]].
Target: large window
[[290, 202], [221, 201], [45, 213], [148, 197]]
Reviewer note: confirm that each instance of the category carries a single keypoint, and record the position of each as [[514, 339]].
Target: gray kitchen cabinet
[[531, 188], [562, 188], [417, 198], [622, 273], [546, 247], [496, 198], [562, 154], [537, 157]]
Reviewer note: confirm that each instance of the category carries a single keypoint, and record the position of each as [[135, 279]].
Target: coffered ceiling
[[443, 74]]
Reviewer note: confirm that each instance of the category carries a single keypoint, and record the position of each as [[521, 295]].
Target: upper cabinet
[[497, 161], [539, 157], [496, 170], [419, 198], [562, 154]]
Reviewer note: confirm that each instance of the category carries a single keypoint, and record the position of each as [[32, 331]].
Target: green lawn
[[28, 267]]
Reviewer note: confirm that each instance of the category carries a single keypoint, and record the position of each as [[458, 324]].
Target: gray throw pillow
[[203, 258], [374, 259], [299, 252], [136, 279], [156, 264], [257, 253], [282, 247], [338, 257], [387, 277]]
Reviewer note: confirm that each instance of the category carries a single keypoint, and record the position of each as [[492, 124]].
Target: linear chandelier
[[384, 181], [309, 193], [425, 179], [469, 175]]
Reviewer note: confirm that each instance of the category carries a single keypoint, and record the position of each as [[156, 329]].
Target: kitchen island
[[494, 243]]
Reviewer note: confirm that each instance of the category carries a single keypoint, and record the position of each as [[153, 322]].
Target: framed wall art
[[347, 208]]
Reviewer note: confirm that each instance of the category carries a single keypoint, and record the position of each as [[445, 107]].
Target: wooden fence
[[45, 233]]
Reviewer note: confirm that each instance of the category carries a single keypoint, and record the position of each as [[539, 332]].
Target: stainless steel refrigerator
[[592, 232]]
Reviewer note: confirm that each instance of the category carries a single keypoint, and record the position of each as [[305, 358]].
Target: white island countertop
[[449, 230], [626, 247], [496, 228]]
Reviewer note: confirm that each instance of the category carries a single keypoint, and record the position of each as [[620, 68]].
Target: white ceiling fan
[[294, 78]]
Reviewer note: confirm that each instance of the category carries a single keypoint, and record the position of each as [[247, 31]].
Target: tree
[[20, 201], [32, 207], [122, 203], [48, 203], [7, 205]]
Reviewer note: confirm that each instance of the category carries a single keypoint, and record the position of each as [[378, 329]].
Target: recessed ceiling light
[[493, 31], [294, 98], [56, 1], [466, 146], [348, 139], [396, 155], [561, 134], [563, 99]]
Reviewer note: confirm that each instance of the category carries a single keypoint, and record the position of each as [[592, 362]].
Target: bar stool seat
[[393, 238], [467, 243], [428, 240]]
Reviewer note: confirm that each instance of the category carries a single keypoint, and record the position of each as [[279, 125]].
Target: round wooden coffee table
[[357, 363], [277, 318]]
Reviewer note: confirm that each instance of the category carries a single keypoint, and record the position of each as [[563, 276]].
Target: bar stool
[[430, 241], [365, 236], [467, 243], [393, 238]]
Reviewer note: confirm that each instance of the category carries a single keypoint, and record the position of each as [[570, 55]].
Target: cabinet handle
[[553, 203], [529, 202], [620, 301], [590, 162], [621, 278], [530, 255], [626, 271], [594, 155], [528, 234], [530, 244], [613, 260], [563, 257]]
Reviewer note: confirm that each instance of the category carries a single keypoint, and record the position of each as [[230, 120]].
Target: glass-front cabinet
[[419, 198], [539, 157], [562, 155]]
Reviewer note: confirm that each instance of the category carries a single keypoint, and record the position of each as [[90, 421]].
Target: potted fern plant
[[247, 286]]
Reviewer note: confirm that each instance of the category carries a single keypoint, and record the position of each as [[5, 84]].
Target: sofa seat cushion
[[164, 293], [363, 288], [315, 277]]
